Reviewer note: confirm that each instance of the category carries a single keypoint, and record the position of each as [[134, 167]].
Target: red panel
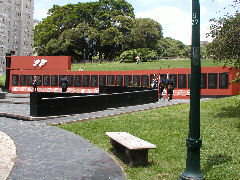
[[59, 65], [26, 90], [41, 62]]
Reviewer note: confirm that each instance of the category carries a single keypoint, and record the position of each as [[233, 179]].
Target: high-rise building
[[16, 28]]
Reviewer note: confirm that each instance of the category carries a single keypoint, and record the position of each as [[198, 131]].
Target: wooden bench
[[135, 148]]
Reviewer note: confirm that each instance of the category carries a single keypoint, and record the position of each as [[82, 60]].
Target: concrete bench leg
[[137, 157], [118, 147]]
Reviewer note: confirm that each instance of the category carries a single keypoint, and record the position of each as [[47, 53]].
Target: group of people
[[161, 83], [63, 83]]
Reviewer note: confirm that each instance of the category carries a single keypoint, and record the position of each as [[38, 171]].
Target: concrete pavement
[[47, 152]]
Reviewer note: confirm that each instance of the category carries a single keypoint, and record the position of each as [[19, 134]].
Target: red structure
[[50, 69]]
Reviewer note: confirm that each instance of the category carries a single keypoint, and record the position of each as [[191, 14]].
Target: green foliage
[[63, 32], [144, 54], [226, 44], [129, 55], [167, 127], [124, 25], [78, 42], [145, 33], [169, 47], [2, 80], [236, 79], [111, 41], [108, 26], [204, 54]]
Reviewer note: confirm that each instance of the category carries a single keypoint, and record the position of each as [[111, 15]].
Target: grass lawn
[[151, 65], [167, 128]]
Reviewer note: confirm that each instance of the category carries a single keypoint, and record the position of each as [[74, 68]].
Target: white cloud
[[203, 11], [40, 13], [41, 6], [223, 2], [175, 22], [144, 2], [205, 28]]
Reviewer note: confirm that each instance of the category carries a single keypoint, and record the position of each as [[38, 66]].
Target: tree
[[145, 33], [106, 10], [169, 47], [124, 25], [129, 55], [111, 42], [144, 53], [98, 15], [226, 43], [78, 42], [52, 26], [226, 40]]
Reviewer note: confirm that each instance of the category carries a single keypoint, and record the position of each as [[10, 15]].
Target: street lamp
[[193, 141]]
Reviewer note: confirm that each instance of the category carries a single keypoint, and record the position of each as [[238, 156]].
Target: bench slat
[[130, 141]]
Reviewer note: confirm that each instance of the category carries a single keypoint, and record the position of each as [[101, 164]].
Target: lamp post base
[[189, 176]]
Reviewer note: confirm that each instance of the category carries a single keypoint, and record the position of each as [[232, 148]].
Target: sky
[[173, 15]]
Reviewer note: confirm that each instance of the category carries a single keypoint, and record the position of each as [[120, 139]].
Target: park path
[[48, 152]]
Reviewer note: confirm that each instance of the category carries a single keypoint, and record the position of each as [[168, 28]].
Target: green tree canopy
[[78, 42], [145, 33], [226, 39], [169, 47], [111, 42], [97, 15]]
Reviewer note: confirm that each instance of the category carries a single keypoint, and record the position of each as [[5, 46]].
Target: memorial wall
[[51, 69]]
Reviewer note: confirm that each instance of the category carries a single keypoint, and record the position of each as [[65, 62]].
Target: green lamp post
[[193, 141]]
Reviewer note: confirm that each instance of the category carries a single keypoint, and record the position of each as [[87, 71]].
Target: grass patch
[[167, 127], [151, 65], [2, 80]]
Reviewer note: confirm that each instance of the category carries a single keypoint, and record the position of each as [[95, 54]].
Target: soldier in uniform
[[162, 84], [169, 84], [34, 83], [154, 83], [64, 84]]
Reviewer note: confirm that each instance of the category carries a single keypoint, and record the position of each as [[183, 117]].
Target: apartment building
[[16, 28]]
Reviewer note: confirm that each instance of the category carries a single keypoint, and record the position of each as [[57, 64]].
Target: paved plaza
[[48, 152]]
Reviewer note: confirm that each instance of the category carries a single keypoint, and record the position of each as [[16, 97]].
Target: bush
[[144, 53], [2, 80]]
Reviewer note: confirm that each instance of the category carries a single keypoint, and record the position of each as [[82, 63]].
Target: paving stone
[[47, 152]]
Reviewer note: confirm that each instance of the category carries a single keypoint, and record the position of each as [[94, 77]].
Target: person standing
[[64, 83], [162, 84], [138, 60], [170, 88], [154, 83], [34, 84]]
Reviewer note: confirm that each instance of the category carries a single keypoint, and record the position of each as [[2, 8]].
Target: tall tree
[[145, 33], [226, 34], [108, 9], [111, 42], [99, 15], [226, 40], [124, 25], [78, 42]]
